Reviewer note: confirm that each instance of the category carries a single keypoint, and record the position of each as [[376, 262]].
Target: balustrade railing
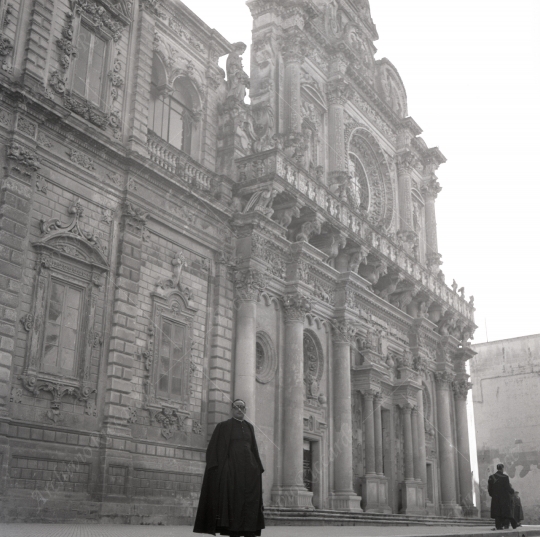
[[179, 163], [274, 161]]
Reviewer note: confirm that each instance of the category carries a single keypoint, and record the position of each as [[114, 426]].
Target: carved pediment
[[72, 240]]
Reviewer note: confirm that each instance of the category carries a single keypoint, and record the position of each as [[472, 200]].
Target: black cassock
[[231, 494], [502, 495]]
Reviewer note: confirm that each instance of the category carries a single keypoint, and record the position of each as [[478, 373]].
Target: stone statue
[[237, 79]]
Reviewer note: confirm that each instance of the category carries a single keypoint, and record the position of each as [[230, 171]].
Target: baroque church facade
[[167, 247]]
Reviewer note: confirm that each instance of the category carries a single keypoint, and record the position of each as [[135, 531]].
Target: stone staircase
[[276, 516]]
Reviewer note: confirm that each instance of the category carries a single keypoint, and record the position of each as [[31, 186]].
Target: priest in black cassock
[[231, 494]]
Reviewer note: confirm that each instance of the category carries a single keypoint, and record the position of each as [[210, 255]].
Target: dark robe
[[502, 496], [231, 493], [518, 510]]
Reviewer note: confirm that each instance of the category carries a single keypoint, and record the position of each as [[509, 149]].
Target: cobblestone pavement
[[97, 530]]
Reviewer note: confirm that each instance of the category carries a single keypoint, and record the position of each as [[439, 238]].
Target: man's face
[[239, 410]]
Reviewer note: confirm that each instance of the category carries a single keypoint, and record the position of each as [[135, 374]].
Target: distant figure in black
[[231, 494], [518, 509], [502, 498]]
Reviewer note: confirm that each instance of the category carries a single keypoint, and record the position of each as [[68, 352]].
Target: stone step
[[317, 517]]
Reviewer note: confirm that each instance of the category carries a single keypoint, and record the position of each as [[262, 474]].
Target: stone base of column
[[375, 494], [292, 497], [346, 501], [413, 498], [470, 511], [451, 510]]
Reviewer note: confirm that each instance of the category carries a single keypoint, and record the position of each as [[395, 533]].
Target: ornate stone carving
[[170, 421], [461, 388], [249, 283], [56, 389], [23, 157], [443, 378], [100, 18], [27, 321], [80, 158], [313, 366], [196, 427], [294, 46], [431, 187], [344, 331], [295, 307], [237, 79], [54, 226], [266, 358]]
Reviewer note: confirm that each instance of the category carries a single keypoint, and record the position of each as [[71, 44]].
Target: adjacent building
[[167, 247], [505, 398]]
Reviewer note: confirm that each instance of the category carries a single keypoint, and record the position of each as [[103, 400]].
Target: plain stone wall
[[506, 399]]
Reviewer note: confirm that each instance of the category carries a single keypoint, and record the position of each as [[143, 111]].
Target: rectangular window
[[62, 328], [90, 66], [171, 360]]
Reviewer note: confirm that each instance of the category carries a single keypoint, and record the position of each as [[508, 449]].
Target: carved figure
[[373, 271], [178, 264], [357, 258], [261, 201], [285, 216], [237, 79]]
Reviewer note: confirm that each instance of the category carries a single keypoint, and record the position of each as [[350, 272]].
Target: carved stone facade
[[283, 251]]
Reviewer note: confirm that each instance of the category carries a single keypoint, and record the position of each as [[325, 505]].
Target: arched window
[[359, 189], [171, 115]]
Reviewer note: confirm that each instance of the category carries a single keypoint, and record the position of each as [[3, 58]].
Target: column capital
[[294, 46], [461, 388], [370, 394], [406, 162], [443, 378], [414, 410], [378, 398], [295, 306], [406, 408], [249, 283], [431, 187], [339, 92], [343, 331]]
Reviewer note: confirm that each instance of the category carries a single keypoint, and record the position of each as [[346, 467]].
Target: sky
[[471, 69]]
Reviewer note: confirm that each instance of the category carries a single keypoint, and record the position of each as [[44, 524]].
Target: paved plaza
[[98, 530]]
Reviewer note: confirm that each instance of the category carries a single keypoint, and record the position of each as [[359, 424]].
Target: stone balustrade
[[263, 165], [180, 164]]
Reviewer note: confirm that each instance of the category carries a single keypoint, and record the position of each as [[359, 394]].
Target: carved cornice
[[295, 307]]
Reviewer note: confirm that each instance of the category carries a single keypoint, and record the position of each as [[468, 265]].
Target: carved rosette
[[249, 283], [461, 388], [295, 307], [444, 379], [343, 331]]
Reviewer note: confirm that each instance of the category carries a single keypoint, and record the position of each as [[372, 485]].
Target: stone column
[[249, 283], [293, 492], [449, 506], [293, 51], [370, 431], [421, 437], [430, 189], [408, 442], [415, 444], [343, 496], [337, 159], [378, 436], [461, 388], [405, 163]]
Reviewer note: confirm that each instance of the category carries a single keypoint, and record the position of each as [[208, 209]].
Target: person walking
[[231, 494], [502, 498]]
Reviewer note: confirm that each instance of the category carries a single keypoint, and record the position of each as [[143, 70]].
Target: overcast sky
[[471, 71]]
